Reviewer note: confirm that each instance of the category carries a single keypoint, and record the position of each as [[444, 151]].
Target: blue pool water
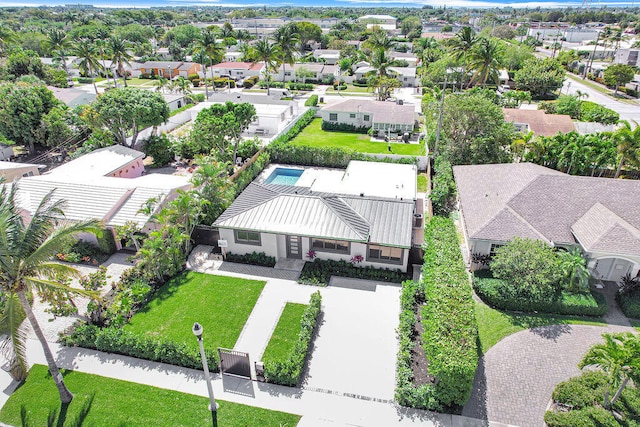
[[284, 176]]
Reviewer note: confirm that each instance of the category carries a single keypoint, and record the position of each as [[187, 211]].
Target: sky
[[325, 3]]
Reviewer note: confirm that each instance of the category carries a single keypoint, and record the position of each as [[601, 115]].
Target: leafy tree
[[384, 85], [486, 60], [126, 111], [6, 36], [182, 35], [504, 32], [619, 358], [135, 33], [22, 110], [212, 181], [540, 76], [159, 148], [474, 130], [529, 266], [25, 268], [411, 26], [618, 74], [516, 55], [307, 31], [25, 62], [58, 125]]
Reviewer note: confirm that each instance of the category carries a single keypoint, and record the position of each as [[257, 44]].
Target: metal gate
[[234, 363]]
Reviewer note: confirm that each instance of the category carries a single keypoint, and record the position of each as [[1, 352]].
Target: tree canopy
[[540, 76]]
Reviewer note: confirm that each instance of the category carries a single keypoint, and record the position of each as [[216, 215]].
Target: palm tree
[[25, 268], [580, 94], [520, 145], [619, 358], [89, 64], [182, 85], [428, 49], [287, 38], [160, 84], [268, 53], [379, 40], [208, 44], [628, 142], [461, 44], [58, 42], [103, 49], [486, 59], [575, 267], [120, 56]]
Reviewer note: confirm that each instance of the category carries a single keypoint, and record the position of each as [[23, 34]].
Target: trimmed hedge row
[[499, 294], [288, 372], [312, 101], [344, 127], [254, 258], [319, 272], [629, 304], [120, 341], [450, 328]]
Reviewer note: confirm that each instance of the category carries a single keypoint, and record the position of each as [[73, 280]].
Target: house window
[[366, 118], [352, 115], [287, 73], [333, 117], [385, 254], [328, 245], [494, 247], [246, 237]]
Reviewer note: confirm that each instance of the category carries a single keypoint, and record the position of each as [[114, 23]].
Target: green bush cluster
[[197, 97], [272, 85], [224, 82], [250, 82], [120, 341], [448, 318], [344, 127], [342, 86], [86, 80], [287, 372], [159, 147], [583, 397], [312, 101], [319, 272], [407, 393], [501, 294], [254, 258], [585, 111], [444, 187], [106, 242], [630, 304], [592, 112], [300, 86]]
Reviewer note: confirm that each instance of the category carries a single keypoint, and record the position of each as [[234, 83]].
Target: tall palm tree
[[89, 63], [379, 40], [208, 44], [460, 45], [619, 358], [574, 265], [428, 49], [628, 142], [25, 268], [120, 56], [287, 39], [267, 52], [103, 50], [486, 60], [58, 41]]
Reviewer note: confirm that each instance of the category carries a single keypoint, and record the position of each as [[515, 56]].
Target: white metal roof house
[[601, 215], [365, 210], [381, 115], [12, 170]]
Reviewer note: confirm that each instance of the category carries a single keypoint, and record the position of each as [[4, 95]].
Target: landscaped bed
[[314, 136], [220, 304], [319, 272], [104, 401]]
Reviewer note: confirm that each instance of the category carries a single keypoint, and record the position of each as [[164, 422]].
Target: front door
[[294, 247]]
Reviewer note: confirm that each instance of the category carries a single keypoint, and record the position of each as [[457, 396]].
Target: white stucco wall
[[343, 117], [268, 244]]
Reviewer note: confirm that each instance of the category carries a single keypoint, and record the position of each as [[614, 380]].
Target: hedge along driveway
[[221, 304], [314, 136]]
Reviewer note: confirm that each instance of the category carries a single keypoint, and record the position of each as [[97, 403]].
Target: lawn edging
[[288, 371]]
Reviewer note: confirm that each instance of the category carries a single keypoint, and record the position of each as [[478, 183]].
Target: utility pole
[[439, 128], [590, 61]]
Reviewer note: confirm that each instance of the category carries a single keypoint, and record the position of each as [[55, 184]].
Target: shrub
[[198, 97], [503, 295], [342, 86], [287, 372], [450, 331], [592, 112], [300, 86], [629, 304], [589, 417], [344, 127], [319, 272], [444, 187], [530, 267], [582, 391], [120, 341], [158, 147], [312, 101], [192, 77], [106, 242], [272, 85], [255, 258], [224, 82]]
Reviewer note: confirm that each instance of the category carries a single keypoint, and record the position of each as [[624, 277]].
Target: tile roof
[[382, 111], [502, 201], [540, 122], [239, 65]]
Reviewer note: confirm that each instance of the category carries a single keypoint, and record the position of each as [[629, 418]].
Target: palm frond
[[13, 328], [45, 285]]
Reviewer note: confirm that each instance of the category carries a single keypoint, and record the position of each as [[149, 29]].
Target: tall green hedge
[[106, 242], [288, 371], [448, 318]]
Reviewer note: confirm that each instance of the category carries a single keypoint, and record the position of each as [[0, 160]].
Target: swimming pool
[[284, 176]]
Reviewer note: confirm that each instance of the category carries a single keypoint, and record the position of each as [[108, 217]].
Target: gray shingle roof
[[502, 201], [283, 209]]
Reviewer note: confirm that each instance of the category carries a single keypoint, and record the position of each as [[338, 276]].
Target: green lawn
[[351, 88], [286, 333], [101, 401], [137, 82], [314, 136], [220, 304], [494, 325], [423, 182]]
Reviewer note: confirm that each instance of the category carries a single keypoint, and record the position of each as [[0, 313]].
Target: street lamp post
[[213, 406]]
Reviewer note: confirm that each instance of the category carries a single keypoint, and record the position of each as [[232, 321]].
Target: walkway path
[[515, 378]]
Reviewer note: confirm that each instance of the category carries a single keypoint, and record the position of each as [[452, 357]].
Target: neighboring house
[[328, 56], [107, 185], [627, 57], [384, 117], [366, 210], [232, 56], [601, 215], [174, 100], [411, 58], [72, 97], [6, 152], [169, 69], [12, 170], [386, 22], [539, 122], [237, 70], [317, 71], [406, 75]]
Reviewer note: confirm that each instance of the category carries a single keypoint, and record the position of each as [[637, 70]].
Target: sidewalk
[[318, 408]]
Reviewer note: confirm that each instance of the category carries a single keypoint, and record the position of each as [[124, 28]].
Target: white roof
[[16, 165], [100, 162], [377, 17]]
